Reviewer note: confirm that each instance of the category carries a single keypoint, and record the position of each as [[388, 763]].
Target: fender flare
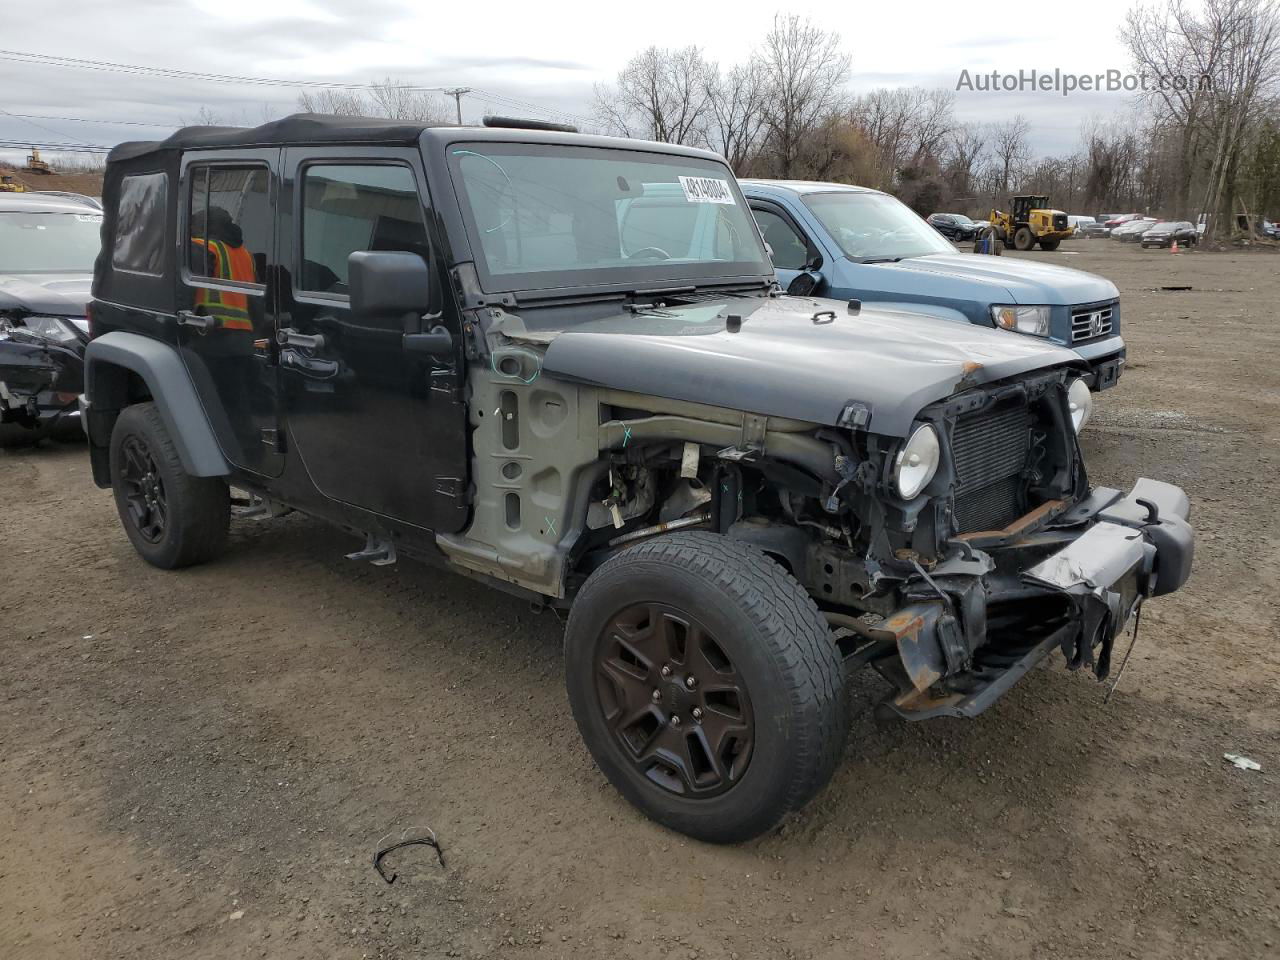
[[162, 370]]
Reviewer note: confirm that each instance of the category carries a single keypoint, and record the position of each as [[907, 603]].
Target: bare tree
[[735, 118], [1009, 148], [806, 72], [396, 101], [1227, 53], [661, 94], [341, 103], [390, 99], [965, 145]]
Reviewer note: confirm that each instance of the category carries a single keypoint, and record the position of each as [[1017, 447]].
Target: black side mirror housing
[[805, 284], [386, 284]]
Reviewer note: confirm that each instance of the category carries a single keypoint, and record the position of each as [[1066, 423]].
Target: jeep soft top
[[562, 364]]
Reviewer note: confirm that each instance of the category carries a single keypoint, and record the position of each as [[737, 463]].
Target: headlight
[[1080, 400], [1032, 320], [50, 328], [916, 462]]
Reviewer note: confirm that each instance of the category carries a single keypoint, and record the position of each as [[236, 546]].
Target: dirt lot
[[198, 765]]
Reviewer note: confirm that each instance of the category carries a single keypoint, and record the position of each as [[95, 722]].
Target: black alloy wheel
[[144, 493], [674, 701]]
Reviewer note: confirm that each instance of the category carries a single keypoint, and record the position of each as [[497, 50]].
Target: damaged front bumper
[[980, 620]]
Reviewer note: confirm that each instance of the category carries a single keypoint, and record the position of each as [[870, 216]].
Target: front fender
[[109, 361]]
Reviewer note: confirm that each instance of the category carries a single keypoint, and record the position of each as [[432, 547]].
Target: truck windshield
[[49, 242], [543, 215], [874, 226]]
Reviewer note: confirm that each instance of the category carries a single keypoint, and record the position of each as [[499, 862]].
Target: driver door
[[377, 427]]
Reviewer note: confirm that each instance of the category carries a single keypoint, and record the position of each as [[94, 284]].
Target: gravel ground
[[200, 764]]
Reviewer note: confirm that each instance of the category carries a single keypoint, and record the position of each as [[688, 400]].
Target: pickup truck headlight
[[916, 462], [1030, 320], [1080, 400]]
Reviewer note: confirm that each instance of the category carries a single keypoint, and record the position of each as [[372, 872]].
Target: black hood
[[782, 363], [48, 294]]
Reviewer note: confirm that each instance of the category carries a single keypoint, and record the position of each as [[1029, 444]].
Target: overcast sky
[[548, 55]]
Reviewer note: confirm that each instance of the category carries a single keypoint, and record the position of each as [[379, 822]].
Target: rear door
[[376, 427], [226, 320]]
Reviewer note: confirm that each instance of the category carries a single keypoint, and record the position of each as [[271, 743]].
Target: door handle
[[288, 337], [202, 323], [309, 366]]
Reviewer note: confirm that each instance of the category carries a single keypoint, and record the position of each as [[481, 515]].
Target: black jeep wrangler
[[562, 364]]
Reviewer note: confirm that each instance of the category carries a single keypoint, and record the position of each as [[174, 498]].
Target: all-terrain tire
[[773, 636], [1023, 239], [1049, 244], [197, 510]]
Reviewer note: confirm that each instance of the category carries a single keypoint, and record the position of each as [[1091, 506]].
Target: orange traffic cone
[[1174, 248]]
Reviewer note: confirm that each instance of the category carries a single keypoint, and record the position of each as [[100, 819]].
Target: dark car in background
[[48, 245], [956, 227], [1132, 230], [1165, 232], [1091, 230]]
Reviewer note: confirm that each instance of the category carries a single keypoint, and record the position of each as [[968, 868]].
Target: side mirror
[[805, 284], [386, 285]]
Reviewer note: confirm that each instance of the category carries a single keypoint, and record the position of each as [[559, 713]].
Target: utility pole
[[456, 93]]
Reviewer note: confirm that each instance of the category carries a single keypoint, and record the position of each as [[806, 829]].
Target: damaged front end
[[41, 377], [1005, 556]]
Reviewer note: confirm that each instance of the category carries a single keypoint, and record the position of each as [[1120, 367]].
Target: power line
[[38, 126], [136, 69], [109, 66], [69, 147], [114, 123]]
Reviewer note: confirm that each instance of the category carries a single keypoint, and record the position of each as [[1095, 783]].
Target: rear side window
[[138, 245], [351, 207], [229, 221]]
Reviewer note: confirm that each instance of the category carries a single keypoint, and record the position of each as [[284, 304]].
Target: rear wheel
[[172, 518], [1023, 239], [706, 685]]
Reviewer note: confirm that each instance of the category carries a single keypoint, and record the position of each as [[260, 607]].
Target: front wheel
[[706, 685], [172, 518], [1049, 244], [1024, 239]]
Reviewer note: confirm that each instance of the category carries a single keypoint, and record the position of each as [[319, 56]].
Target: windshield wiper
[[652, 309], [880, 260]]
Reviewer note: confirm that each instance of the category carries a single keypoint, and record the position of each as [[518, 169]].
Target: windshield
[[49, 242], [542, 215], [875, 226]]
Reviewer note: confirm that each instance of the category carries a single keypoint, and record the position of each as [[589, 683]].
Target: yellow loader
[[1030, 220]]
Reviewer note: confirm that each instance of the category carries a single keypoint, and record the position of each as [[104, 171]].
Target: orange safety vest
[[229, 263]]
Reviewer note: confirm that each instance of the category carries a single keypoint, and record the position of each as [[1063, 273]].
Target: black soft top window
[[138, 245]]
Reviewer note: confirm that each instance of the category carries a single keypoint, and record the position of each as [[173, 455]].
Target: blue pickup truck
[[841, 241]]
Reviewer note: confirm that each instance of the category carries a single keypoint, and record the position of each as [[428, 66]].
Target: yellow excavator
[[36, 165], [1030, 220]]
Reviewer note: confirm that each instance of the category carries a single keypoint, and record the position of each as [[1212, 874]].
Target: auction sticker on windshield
[[706, 190]]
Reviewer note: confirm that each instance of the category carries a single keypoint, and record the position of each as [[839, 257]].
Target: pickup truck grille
[[1090, 322], [989, 450]]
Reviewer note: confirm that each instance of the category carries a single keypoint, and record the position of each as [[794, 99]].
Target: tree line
[[1208, 147]]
